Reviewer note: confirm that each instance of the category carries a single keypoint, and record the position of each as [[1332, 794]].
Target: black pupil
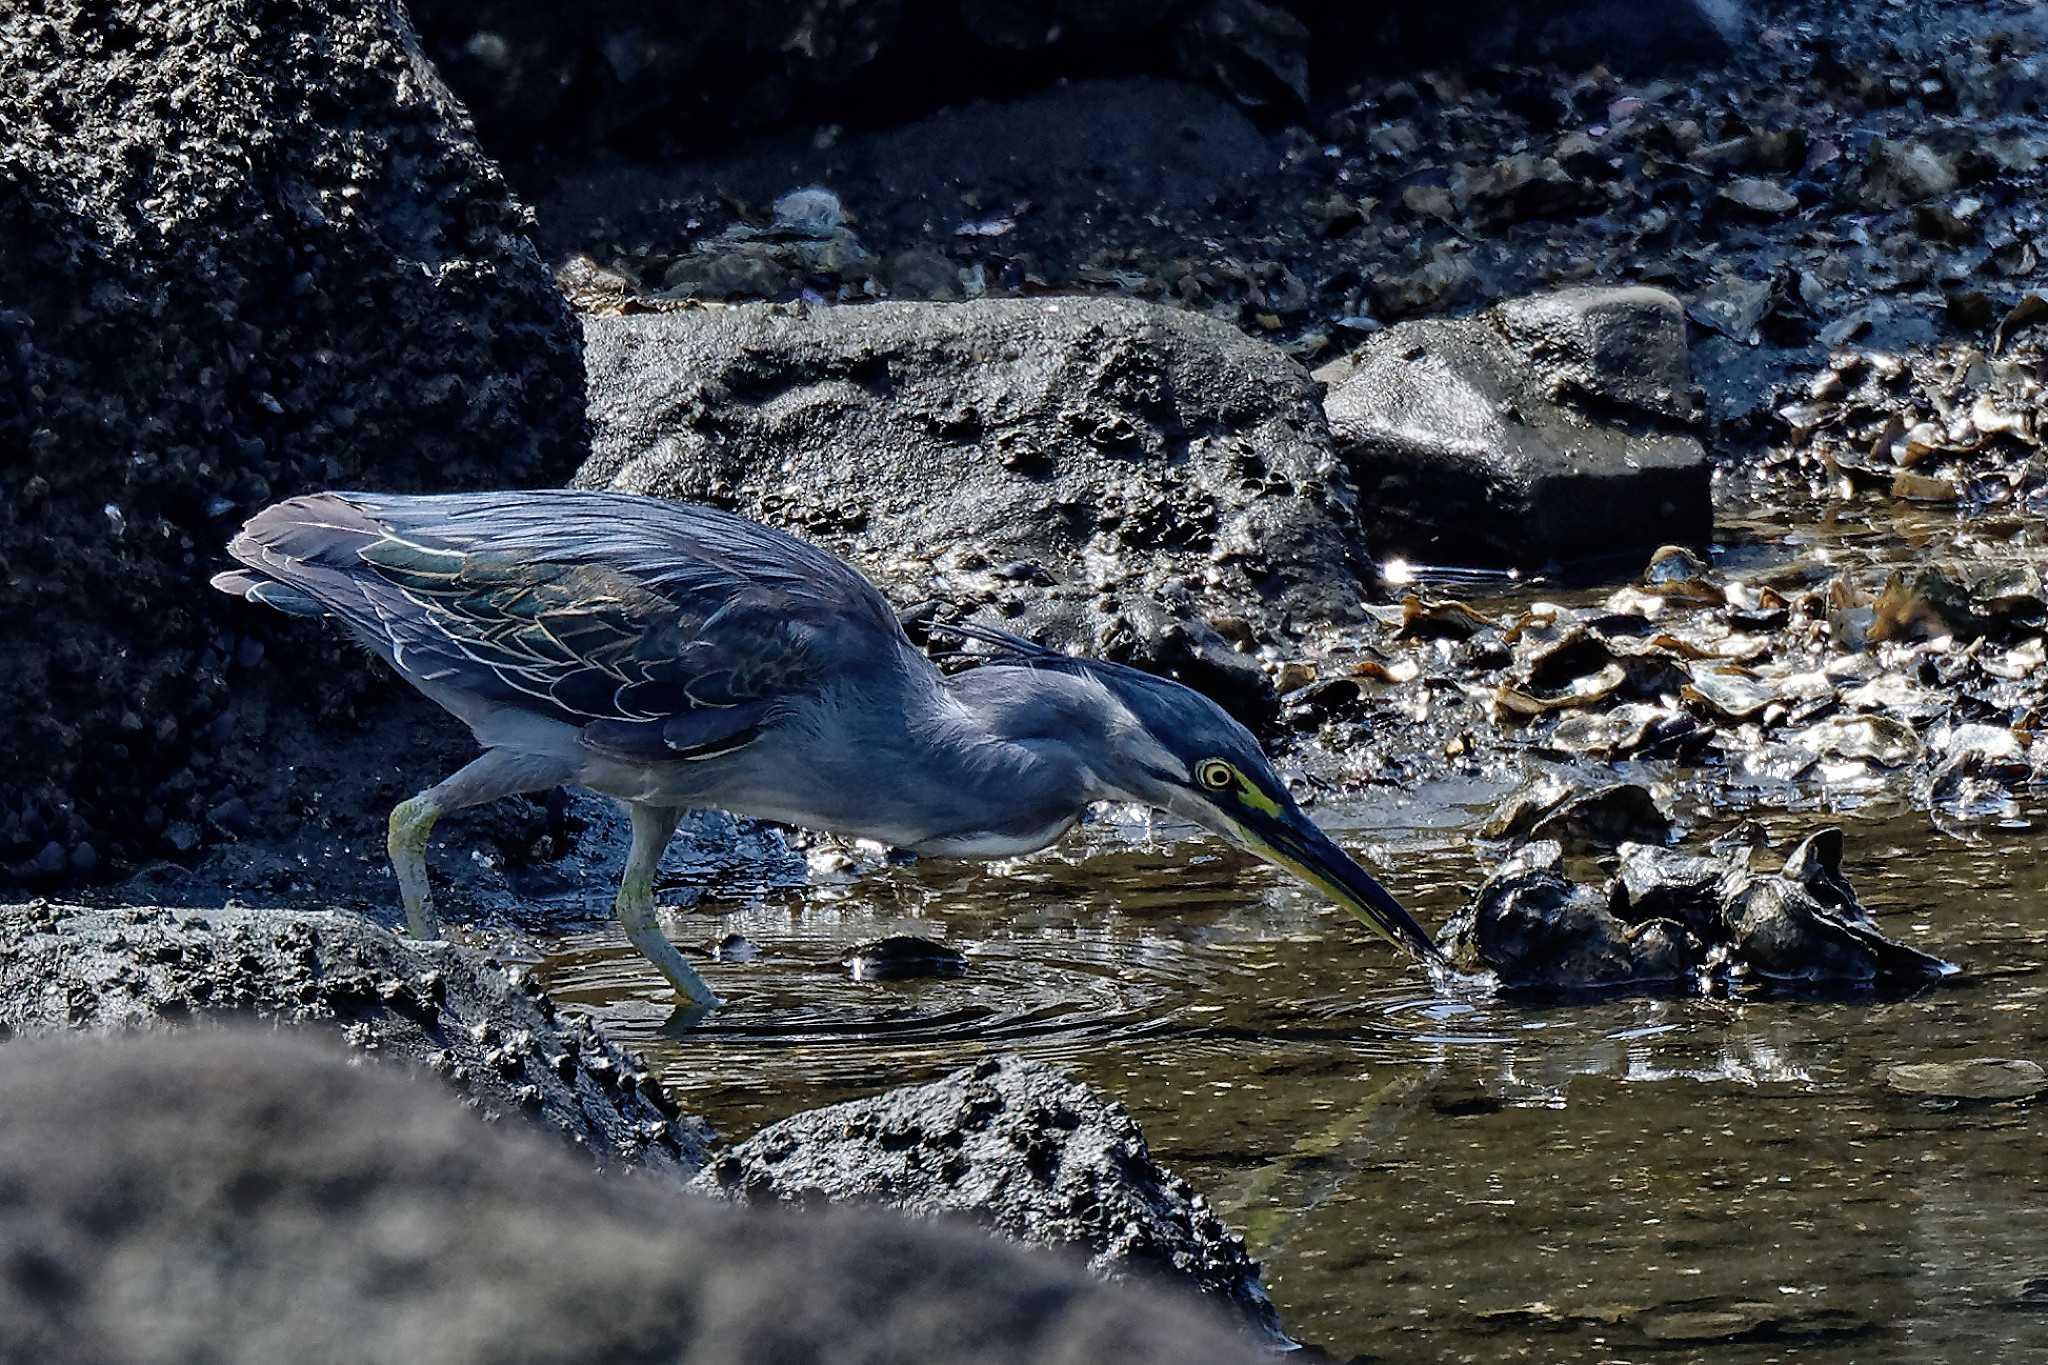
[[1218, 777]]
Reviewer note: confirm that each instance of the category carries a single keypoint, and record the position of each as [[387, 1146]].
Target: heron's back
[[656, 631]]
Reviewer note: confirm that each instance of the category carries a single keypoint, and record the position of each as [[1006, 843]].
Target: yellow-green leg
[[411, 824], [653, 826], [496, 773]]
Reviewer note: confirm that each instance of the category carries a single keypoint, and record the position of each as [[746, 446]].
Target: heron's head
[[1174, 748]]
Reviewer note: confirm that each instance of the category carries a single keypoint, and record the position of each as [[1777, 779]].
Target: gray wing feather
[[660, 629]]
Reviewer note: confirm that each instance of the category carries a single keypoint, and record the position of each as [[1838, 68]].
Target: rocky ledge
[[436, 1006]]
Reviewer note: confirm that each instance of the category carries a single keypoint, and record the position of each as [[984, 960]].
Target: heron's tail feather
[[268, 592]]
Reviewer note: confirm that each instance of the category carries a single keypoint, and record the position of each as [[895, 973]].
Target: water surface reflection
[[1442, 1174]]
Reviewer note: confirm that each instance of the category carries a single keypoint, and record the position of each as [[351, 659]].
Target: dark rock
[[1256, 52], [1537, 432], [648, 79], [1160, 468], [904, 957], [251, 248], [436, 1006], [1656, 883], [1668, 917], [1580, 818], [1536, 930], [250, 1199], [1805, 925], [1622, 348], [1052, 161], [1021, 1148], [1573, 33]]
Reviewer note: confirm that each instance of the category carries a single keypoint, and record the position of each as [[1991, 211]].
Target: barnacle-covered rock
[[438, 1006], [245, 1198], [252, 248], [1023, 1149]]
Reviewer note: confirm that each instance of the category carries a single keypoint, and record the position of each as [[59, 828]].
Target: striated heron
[[678, 658]]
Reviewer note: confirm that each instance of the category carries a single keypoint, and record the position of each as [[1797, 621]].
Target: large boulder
[[1547, 429], [247, 1200], [434, 1006], [1023, 1149], [251, 247], [1112, 475]]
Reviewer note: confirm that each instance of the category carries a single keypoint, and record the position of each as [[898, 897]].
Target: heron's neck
[[1008, 751]]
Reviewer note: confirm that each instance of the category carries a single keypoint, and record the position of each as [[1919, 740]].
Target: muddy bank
[[434, 1007], [187, 1197]]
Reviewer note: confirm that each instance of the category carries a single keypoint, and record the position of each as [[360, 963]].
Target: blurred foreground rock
[[1148, 485], [246, 249], [1547, 429], [1023, 1149], [435, 1006], [248, 1200], [1680, 920]]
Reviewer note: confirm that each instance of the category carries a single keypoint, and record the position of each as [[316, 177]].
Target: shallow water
[[1430, 1173], [1436, 1177]]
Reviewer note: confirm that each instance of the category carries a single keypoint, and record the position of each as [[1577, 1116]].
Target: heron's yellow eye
[[1215, 774]]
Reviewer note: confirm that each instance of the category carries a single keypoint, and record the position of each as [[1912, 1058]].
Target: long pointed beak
[[1290, 840]]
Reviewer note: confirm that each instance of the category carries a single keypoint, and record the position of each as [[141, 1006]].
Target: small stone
[[1759, 198], [903, 957], [1982, 1080]]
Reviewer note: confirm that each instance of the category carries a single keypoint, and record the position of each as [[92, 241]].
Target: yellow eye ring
[[1215, 774]]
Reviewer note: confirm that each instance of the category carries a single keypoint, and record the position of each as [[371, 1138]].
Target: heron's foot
[[685, 1018], [652, 826], [411, 823], [636, 917]]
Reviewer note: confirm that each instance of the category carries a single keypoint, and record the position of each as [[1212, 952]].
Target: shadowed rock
[[1543, 430], [1669, 918], [1114, 475], [1023, 1149], [436, 1006], [251, 248], [246, 1200]]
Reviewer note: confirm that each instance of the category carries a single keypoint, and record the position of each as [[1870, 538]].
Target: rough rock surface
[[1676, 919], [251, 248], [1118, 476], [186, 1199], [436, 1006], [1020, 1147], [1547, 429]]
